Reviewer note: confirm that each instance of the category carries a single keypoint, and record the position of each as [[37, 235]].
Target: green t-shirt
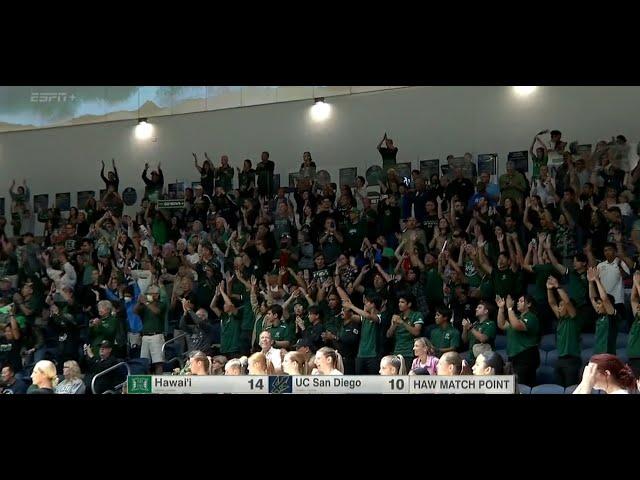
[[537, 163], [368, 339], [633, 340], [332, 320], [488, 328], [105, 331], [434, 286], [447, 337], [230, 332], [152, 323], [578, 287], [520, 340], [568, 336], [403, 338], [542, 273], [606, 333], [285, 331]]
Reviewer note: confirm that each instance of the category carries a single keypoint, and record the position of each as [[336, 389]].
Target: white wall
[[425, 122]]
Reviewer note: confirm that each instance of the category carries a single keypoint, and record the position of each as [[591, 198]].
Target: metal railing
[[178, 358], [112, 390]]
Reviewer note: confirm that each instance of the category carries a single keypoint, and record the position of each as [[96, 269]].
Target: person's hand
[[552, 282], [509, 302], [589, 375], [365, 269], [396, 320], [466, 324], [542, 237], [500, 238], [439, 200], [527, 202], [500, 301], [592, 274]]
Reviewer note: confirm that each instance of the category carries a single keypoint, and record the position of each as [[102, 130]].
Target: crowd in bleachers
[[533, 274]]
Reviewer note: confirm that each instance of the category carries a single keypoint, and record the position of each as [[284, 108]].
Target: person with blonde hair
[[259, 365], [44, 377], [72, 383], [199, 363], [393, 365], [294, 363], [235, 366], [328, 362], [425, 354]]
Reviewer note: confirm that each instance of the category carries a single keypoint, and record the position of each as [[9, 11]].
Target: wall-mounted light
[[524, 91], [320, 110], [144, 129]]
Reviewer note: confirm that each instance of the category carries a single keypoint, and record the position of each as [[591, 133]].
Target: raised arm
[[214, 301], [502, 321], [483, 262], [195, 160], [382, 141], [560, 268], [635, 294], [513, 319], [594, 283], [104, 179]]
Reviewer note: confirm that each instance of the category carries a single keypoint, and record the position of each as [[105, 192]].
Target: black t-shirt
[[10, 353], [462, 187], [349, 340], [429, 223], [388, 154], [17, 388], [466, 309]]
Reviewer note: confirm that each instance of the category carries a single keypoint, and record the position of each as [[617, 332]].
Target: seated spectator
[[10, 384], [234, 367], [199, 363], [392, 365], [425, 354], [72, 383], [450, 364], [608, 373], [294, 363], [328, 362], [100, 363], [489, 363], [44, 377]]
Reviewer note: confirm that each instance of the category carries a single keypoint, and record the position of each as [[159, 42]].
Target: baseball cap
[[303, 342], [105, 344]]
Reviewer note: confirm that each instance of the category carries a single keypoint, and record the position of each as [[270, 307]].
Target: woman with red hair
[[607, 372]]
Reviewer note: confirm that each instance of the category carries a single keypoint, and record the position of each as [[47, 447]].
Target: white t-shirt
[[611, 278], [333, 372], [619, 392]]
